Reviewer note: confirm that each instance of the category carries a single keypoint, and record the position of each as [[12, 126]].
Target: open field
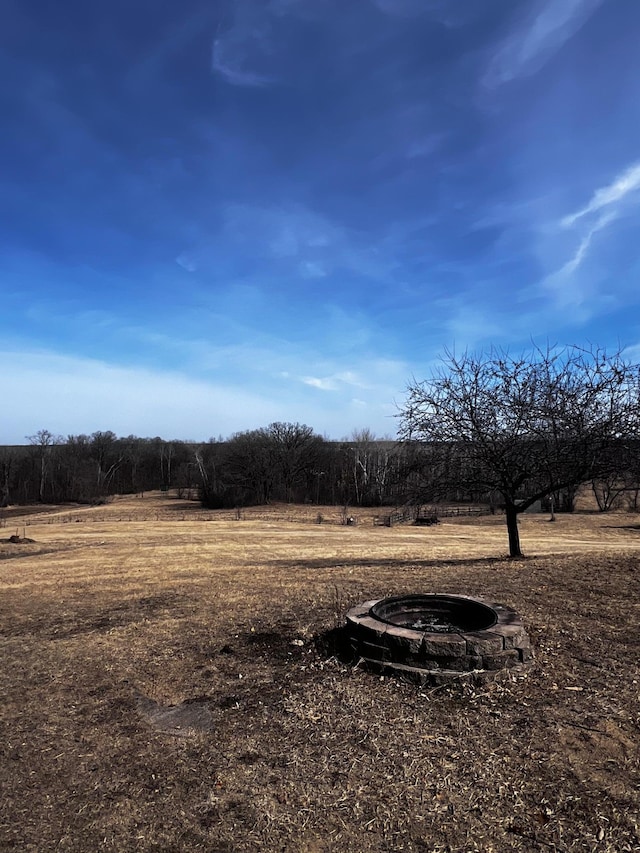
[[168, 684]]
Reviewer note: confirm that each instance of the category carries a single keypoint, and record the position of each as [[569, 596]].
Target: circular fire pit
[[438, 638]]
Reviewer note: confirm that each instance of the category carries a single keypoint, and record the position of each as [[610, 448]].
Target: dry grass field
[[169, 683]]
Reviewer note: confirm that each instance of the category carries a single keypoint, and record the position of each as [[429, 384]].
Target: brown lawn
[[167, 684]]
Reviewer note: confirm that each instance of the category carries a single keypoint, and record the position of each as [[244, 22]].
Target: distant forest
[[281, 462], [284, 462]]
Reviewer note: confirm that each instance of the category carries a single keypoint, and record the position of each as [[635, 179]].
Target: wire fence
[[163, 516], [402, 515]]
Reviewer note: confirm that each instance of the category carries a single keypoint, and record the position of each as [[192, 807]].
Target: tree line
[[280, 462]]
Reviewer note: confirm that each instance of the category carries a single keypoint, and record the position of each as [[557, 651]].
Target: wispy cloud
[[606, 205], [568, 293], [241, 390], [625, 184], [632, 352], [242, 52], [290, 237], [311, 269], [179, 35], [533, 42], [581, 252], [334, 382], [321, 384], [471, 325], [72, 395], [577, 292], [233, 72]]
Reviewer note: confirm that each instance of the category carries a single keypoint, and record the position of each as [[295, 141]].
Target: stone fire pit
[[438, 638]]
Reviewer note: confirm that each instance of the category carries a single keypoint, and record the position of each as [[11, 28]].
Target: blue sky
[[220, 214]]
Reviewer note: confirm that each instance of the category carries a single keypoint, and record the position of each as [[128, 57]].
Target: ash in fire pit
[[436, 638], [440, 613]]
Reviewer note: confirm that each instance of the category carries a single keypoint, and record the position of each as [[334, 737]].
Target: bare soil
[[170, 682]]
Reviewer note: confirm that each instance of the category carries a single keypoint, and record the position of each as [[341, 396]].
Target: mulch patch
[[18, 540]]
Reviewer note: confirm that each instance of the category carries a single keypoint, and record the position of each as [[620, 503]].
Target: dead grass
[[168, 686]]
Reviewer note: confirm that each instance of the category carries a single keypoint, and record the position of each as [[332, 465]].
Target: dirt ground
[[169, 683]]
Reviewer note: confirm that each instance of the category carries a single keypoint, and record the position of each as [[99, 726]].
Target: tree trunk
[[43, 475], [512, 529]]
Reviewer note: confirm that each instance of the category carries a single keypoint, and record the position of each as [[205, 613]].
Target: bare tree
[[7, 463], [104, 449], [360, 447], [372, 461], [283, 461], [608, 489], [167, 453], [525, 427], [43, 441], [295, 453], [251, 466]]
